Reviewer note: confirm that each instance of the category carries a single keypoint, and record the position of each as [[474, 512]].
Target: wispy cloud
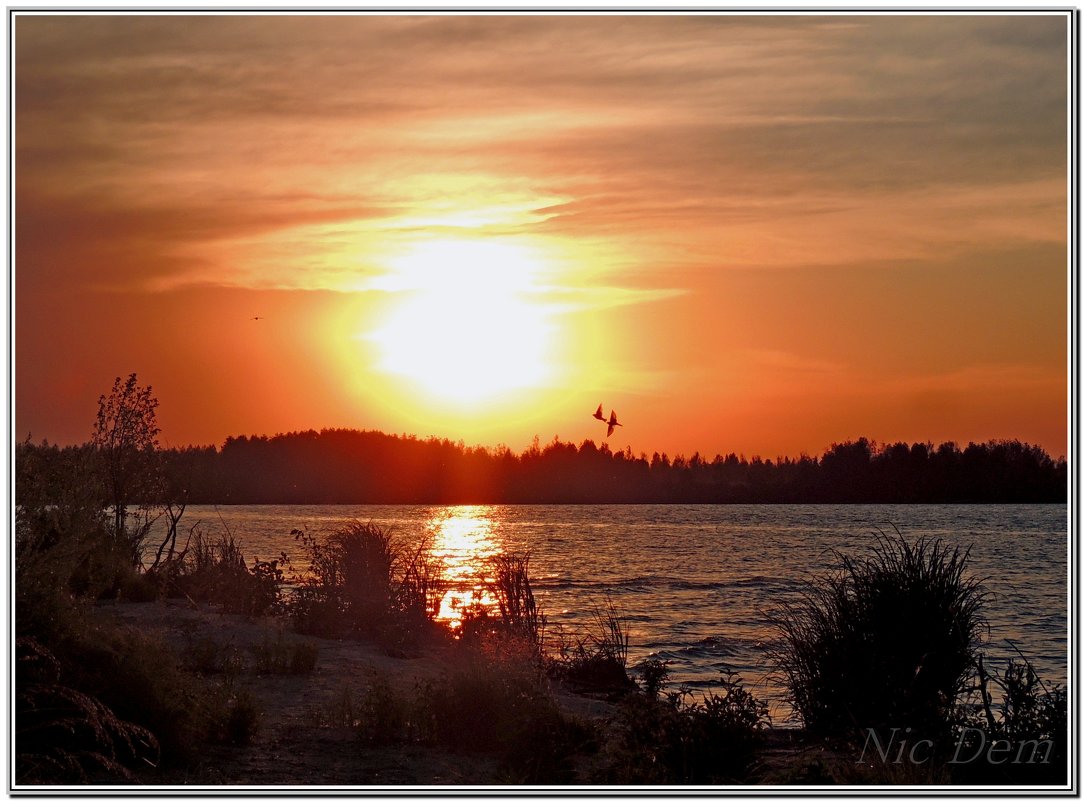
[[740, 139]]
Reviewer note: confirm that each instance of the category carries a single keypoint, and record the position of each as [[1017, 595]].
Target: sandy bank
[[303, 738]]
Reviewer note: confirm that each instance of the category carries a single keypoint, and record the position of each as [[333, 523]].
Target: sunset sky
[[742, 233]]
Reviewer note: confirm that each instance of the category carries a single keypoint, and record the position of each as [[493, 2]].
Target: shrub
[[653, 674], [882, 642], [64, 547], [723, 731], [216, 571]]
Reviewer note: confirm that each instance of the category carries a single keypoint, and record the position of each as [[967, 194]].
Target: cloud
[[1003, 379], [702, 139], [787, 362], [570, 300]]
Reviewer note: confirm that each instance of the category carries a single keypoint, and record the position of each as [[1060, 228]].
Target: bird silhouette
[[255, 318], [613, 423], [598, 414]]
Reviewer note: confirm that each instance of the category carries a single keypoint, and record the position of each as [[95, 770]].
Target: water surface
[[695, 582]]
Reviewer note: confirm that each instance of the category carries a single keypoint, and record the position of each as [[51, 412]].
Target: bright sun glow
[[467, 324]]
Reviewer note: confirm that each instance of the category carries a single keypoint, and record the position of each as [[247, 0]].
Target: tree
[[126, 440]]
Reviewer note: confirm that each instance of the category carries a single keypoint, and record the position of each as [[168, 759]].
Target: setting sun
[[469, 324]]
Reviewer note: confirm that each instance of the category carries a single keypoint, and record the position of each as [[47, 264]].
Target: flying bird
[[613, 423], [255, 318], [598, 414]]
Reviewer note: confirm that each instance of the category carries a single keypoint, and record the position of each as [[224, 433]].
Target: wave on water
[[705, 648], [653, 582]]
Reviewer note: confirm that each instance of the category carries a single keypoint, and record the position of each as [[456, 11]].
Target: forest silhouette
[[353, 467]]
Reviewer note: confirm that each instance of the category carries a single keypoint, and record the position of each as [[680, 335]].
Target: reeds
[[519, 612]]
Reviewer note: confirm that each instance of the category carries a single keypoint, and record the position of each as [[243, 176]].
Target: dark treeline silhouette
[[349, 466]]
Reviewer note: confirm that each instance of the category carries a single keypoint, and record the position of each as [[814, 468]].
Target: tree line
[[349, 466]]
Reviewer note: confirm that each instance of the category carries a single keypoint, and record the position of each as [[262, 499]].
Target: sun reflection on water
[[463, 540]]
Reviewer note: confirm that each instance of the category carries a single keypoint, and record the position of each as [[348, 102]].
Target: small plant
[[653, 674], [596, 660], [281, 657], [208, 656], [382, 716], [242, 718], [341, 711]]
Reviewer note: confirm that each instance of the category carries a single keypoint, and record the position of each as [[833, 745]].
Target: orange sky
[[744, 233]]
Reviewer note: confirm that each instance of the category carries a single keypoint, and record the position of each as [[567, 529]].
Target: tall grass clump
[[363, 582], [63, 734], [103, 702], [519, 619], [215, 570], [883, 641]]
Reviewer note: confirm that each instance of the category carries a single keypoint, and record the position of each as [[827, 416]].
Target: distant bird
[[598, 414], [613, 423], [255, 318]]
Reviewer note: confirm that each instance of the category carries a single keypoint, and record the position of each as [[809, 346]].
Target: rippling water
[[694, 582]]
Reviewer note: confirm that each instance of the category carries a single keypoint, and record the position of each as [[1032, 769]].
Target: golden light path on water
[[464, 541]]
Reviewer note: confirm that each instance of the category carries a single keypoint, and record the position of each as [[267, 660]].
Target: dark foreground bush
[[215, 570], [679, 739], [489, 703], [887, 641], [1021, 740], [101, 702], [65, 735]]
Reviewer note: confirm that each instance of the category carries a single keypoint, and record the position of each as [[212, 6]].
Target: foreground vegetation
[[882, 658]]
